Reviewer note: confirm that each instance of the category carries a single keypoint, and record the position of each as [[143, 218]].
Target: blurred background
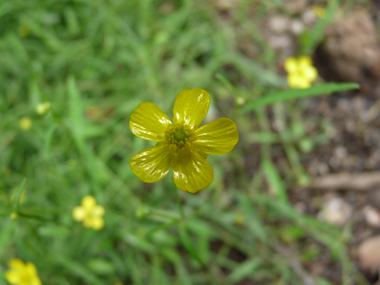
[[296, 202]]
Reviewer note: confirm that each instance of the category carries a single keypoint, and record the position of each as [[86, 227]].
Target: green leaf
[[274, 179], [77, 123], [48, 138], [317, 32], [188, 244], [101, 266], [17, 196], [256, 226], [139, 243], [5, 235], [244, 270], [77, 269], [292, 94]]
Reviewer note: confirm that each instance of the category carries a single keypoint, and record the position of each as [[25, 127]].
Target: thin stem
[[40, 218], [182, 214]]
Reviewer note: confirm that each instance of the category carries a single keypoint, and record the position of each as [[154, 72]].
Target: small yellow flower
[[239, 219], [301, 72], [42, 108], [25, 123], [319, 11], [90, 213], [182, 145], [22, 273]]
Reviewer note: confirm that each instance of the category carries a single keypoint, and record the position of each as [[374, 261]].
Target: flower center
[[179, 136]]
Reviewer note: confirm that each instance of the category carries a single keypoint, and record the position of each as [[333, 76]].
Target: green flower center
[[179, 136]]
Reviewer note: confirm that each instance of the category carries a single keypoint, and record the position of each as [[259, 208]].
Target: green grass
[[95, 61]]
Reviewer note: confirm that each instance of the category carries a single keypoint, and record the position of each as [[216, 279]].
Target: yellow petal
[[304, 61], [149, 122], [191, 107], [218, 137], [151, 164], [88, 202], [191, 172], [291, 65], [31, 268], [297, 81], [36, 281], [98, 211], [79, 213], [12, 277], [97, 223], [87, 222], [310, 73], [16, 264]]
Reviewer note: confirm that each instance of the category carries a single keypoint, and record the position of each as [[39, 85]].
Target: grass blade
[[317, 32], [292, 94], [17, 197], [274, 180]]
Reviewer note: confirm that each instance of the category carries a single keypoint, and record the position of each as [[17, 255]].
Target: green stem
[[40, 218], [182, 214]]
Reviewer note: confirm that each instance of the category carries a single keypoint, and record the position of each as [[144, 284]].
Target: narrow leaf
[[255, 225], [317, 32], [292, 94], [188, 244], [244, 270], [274, 179], [17, 196]]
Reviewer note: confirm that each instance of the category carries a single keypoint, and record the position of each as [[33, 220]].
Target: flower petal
[[88, 202], [79, 213], [16, 264], [291, 65], [36, 281], [151, 164], [310, 73], [191, 172], [98, 211], [191, 107], [218, 137], [149, 122], [12, 277], [304, 61], [31, 268], [97, 223], [296, 81]]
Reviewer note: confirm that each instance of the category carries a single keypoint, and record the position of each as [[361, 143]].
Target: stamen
[[179, 136]]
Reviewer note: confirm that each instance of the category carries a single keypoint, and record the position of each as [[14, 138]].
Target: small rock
[[282, 42], [372, 216], [309, 18], [295, 6], [369, 255], [336, 211], [279, 24], [297, 27]]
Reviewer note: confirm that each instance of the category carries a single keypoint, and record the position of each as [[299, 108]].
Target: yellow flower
[[22, 273], [239, 219], [301, 72], [182, 145], [42, 108], [25, 123], [319, 11], [90, 213]]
